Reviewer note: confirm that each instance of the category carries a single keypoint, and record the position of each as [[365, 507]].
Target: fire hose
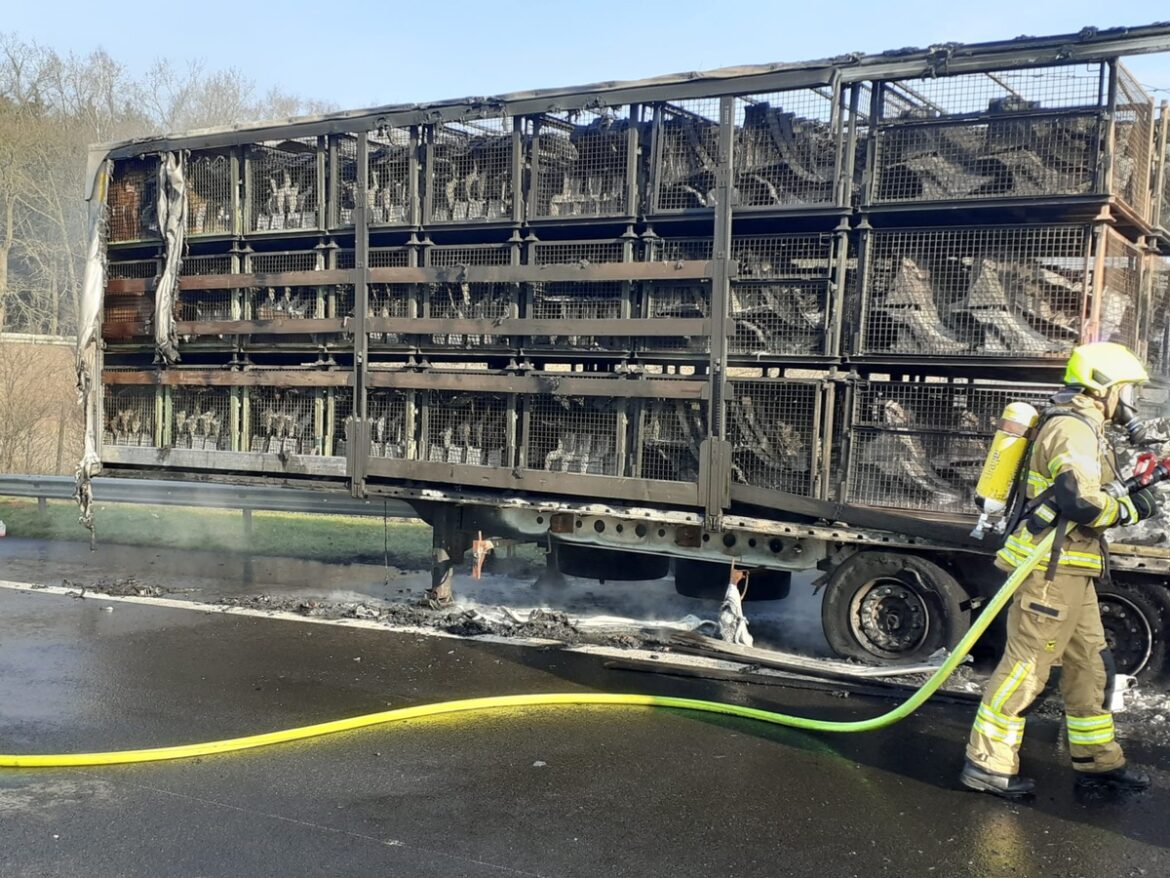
[[1149, 471]]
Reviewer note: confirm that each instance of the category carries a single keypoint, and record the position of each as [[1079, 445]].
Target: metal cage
[[787, 149], [128, 315], [921, 445], [284, 420], [580, 163], [670, 434], [131, 415], [201, 418], [132, 200], [339, 407], [392, 185], [470, 172], [201, 304], [779, 297], [575, 435], [468, 429], [211, 192], [283, 185], [993, 291], [773, 428], [686, 155], [284, 301], [1026, 133], [392, 424], [1157, 324]]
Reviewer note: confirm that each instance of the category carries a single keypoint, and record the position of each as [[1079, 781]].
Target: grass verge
[[330, 538]]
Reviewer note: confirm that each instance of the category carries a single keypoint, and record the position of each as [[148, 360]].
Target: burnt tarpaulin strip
[[172, 220], [88, 340]]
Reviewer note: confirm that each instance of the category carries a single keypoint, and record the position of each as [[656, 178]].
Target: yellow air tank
[[1002, 467]]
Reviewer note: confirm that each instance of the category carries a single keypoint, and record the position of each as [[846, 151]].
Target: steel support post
[[448, 547], [359, 442], [715, 452]]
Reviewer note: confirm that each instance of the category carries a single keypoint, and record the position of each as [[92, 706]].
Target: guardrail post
[[42, 506], [247, 525]]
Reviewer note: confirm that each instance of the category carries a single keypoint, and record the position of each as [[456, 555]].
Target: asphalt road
[[559, 792]]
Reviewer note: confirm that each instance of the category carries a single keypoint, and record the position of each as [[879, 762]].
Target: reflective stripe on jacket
[[1076, 446]]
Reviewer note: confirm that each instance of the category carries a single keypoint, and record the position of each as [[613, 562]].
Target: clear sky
[[365, 52]]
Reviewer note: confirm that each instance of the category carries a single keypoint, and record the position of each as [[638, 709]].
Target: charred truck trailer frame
[[765, 314]]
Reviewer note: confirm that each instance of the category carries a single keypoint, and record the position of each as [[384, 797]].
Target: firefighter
[[1054, 618]]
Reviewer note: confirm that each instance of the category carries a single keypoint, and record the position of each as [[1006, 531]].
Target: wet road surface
[[558, 792]]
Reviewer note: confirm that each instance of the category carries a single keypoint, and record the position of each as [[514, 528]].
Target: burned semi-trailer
[[768, 315]]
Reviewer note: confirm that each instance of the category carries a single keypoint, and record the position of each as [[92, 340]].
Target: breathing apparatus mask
[[1125, 416]]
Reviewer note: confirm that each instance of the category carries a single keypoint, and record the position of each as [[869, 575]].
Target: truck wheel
[[708, 580], [880, 605], [1136, 616]]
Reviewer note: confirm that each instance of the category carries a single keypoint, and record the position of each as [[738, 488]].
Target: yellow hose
[[496, 702]]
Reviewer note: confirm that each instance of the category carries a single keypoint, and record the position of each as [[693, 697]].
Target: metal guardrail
[[213, 495]]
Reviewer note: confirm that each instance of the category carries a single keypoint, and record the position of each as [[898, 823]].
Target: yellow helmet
[[1102, 364]]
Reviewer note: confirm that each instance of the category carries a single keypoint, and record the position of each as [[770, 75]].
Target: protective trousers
[[1049, 622]]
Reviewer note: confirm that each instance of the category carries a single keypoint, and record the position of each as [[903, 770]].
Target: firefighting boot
[[1008, 786], [1124, 778]]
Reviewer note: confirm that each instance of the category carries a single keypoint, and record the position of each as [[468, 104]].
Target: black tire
[[1136, 616], [589, 562], [708, 580], [883, 606]]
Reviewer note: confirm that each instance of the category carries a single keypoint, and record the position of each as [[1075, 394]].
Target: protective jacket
[[1070, 461]]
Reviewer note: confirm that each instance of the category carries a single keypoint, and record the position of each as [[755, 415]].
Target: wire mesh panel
[[569, 301], [283, 177], [1158, 325], [921, 445], [579, 252], [580, 163], [284, 420], [1133, 119], [779, 298], [470, 170], [221, 304], [130, 415], [132, 200], [772, 427], [687, 154], [470, 301], [391, 433], [786, 148], [679, 249], [1120, 294], [210, 191], [670, 432], [133, 268], [469, 429], [689, 299], [447, 256], [388, 179], [995, 291], [128, 315], [1160, 209], [573, 435], [201, 418], [390, 300], [272, 302], [1011, 133], [338, 408]]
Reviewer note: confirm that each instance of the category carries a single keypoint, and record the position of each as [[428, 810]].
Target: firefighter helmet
[[1103, 364]]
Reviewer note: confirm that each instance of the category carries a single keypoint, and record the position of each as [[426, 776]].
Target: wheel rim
[[1127, 633], [889, 618]]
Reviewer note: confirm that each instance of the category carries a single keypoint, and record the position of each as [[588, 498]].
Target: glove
[[1138, 506]]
